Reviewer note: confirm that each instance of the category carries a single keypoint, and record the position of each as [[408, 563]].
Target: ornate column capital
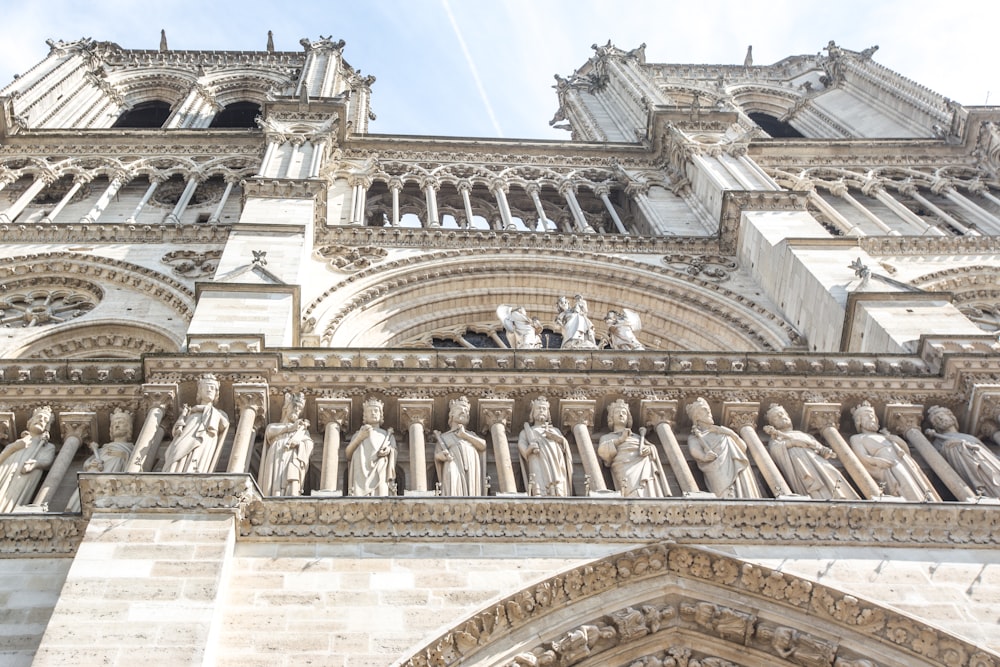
[[941, 186], [499, 185], [653, 412], [7, 429], [602, 189], [817, 416], [576, 411], [251, 396], [567, 188], [430, 182], [395, 183], [415, 411], [333, 410], [495, 411], [838, 189], [81, 425], [163, 396], [737, 414], [872, 187], [901, 417], [533, 188]]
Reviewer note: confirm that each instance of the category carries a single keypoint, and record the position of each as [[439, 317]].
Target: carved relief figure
[[967, 454], [112, 456], [287, 448], [23, 461], [523, 331], [635, 465], [887, 458], [371, 455], [721, 455], [803, 460], [577, 329], [460, 454], [198, 433], [622, 328], [546, 458]]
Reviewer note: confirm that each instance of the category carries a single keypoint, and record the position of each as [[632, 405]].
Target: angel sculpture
[[622, 328], [522, 331]]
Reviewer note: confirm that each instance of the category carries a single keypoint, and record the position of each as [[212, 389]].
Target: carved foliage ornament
[[192, 264], [348, 259], [709, 267]]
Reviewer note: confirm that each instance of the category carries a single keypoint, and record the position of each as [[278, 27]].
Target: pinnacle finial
[[270, 42], [748, 61], [163, 40]]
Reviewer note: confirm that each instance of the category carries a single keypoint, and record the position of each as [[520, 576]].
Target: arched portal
[[688, 607]]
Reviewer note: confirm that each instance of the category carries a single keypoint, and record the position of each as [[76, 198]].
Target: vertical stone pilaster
[[414, 416], [578, 416], [495, 415], [742, 418], [905, 419], [76, 428], [161, 401], [334, 416], [251, 402], [824, 418], [660, 415]]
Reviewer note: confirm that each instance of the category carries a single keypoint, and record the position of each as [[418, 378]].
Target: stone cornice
[[405, 237], [56, 232], [147, 143]]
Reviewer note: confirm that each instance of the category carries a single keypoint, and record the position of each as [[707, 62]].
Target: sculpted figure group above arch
[[742, 460]]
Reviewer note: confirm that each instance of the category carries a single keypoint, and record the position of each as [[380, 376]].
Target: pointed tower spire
[[748, 61], [270, 42], [163, 40]]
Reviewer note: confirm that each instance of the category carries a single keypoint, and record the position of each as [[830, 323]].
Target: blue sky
[[484, 67]]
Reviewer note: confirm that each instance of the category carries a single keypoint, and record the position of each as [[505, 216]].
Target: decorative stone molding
[[348, 259], [41, 535], [126, 493], [735, 202], [48, 302], [56, 233], [671, 593], [192, 264]]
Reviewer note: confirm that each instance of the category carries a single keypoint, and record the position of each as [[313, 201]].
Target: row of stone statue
[[793, 463], [573, 321]]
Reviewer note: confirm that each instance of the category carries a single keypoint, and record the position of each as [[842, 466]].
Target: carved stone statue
[[23, 461], [371, 455], [887, 458], [198, 433], [577, 329], [635, 465], [721, 455], [978, 466], [622, 328], [546, 458], [523, 331], [287, 448], [803, 460], [460, 454], [110, 457]]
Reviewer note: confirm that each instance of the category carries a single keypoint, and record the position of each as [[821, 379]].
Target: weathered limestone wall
[[142, 589], [363, 604], [29, 589]]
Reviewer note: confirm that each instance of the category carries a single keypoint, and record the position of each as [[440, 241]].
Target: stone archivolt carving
[[779, 618]]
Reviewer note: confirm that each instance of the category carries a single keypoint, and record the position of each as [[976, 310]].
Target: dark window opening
[[203, 217], [776, 128], [237, 114], [145, 115]]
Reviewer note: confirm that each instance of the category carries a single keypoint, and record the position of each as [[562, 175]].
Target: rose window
[[41, 307]]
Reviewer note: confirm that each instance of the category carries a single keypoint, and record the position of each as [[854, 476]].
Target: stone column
[[78, 183], [977, 213], [465, 187], [603, 191], [913, 192], [825, 418], [905, 419], [359, 185], [578, 416], [495, 414], [499, 189], [534, 190], [114, 186], [897, 207], [431, 187], [154, 182], [175, 215], [835, 216], [395, 187], [841, 190], [22, 202], [414, 416], [334, 416], [161, 402], [76, 428], [660, 415], [742, 418], [567, 191], [217, 213], [251, 402]]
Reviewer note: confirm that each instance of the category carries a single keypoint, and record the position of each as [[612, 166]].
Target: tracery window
[[40, 307]]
